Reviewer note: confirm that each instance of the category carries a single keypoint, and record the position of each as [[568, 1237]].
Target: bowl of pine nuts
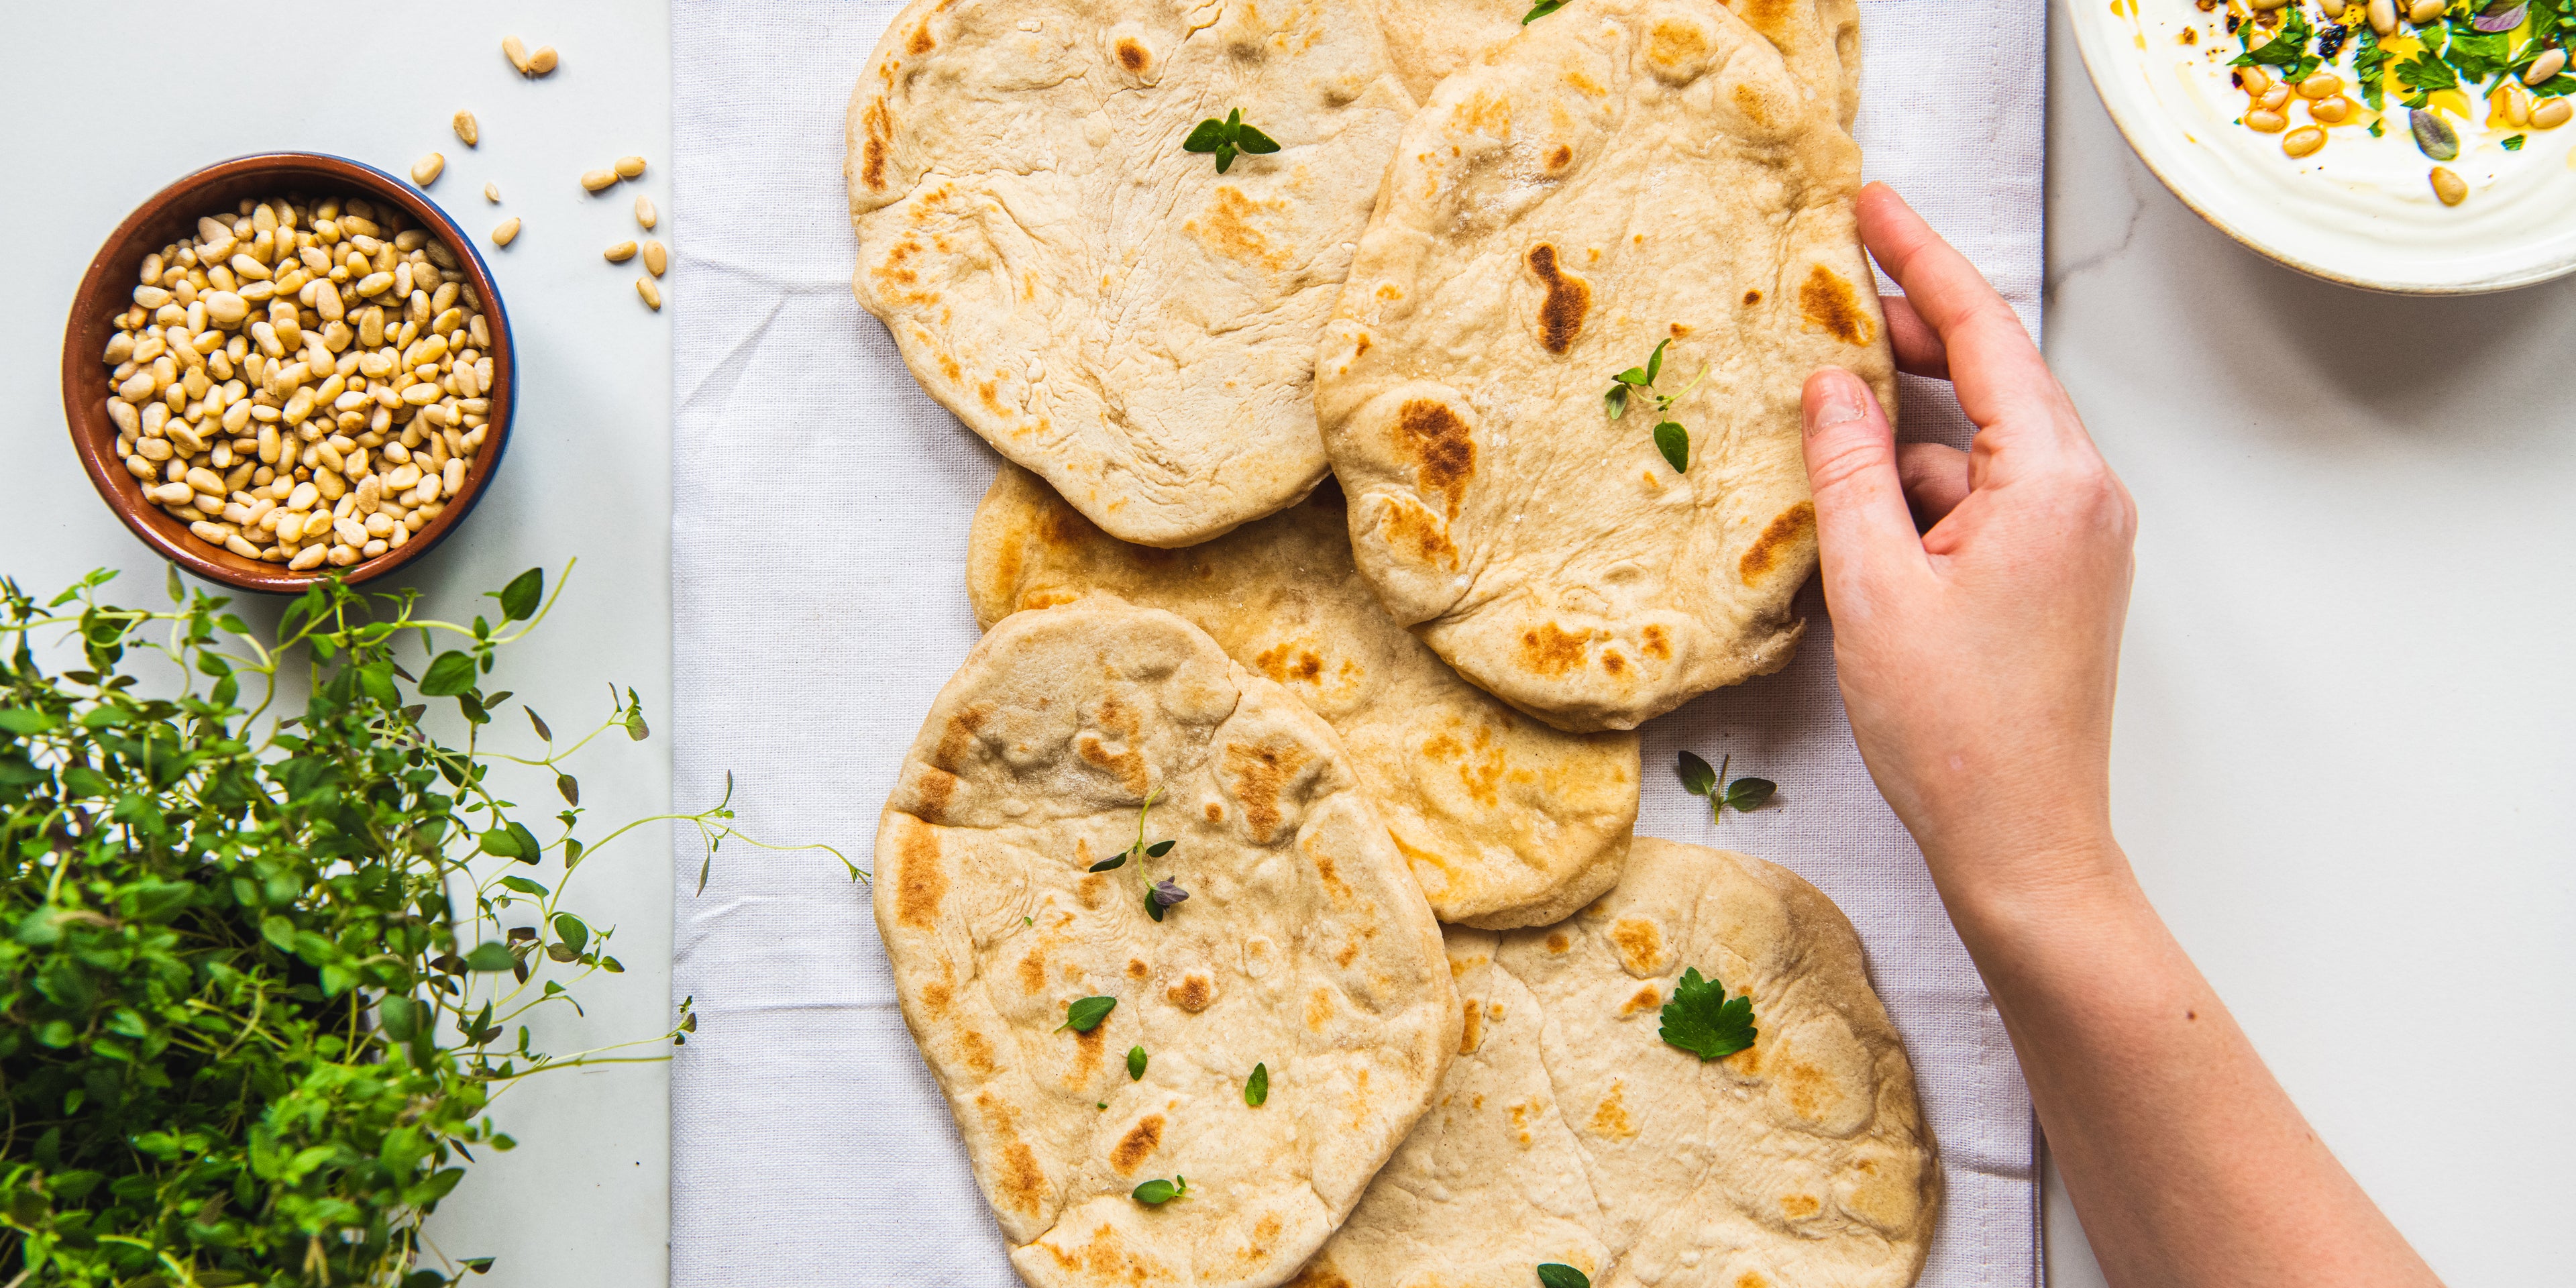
[[286, 367]]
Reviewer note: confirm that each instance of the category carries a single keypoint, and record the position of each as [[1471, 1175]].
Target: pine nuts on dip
[[2413, 145], [301, 382]]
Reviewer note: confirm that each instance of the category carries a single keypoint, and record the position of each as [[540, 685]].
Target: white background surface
[[2347, 718], [110, 102]]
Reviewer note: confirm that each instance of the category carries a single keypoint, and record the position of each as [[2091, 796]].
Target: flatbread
[[1303, 945], [1567, 1131], [1430, 39], [1505, 821], [1101, 306], [1623, 172]]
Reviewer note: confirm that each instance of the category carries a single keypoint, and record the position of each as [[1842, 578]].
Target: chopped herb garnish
[[1135, 1063], [1540, 10], [1085, 1014], [1156, 1193], [1557, 1274], [1256, 1088], [1699, 1018], [1741, 795], [1670, 438], [1028, 921], [1227, 137], [2288, 51], [2513, 143]]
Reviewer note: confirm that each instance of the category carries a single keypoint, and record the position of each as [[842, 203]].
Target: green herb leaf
[[1615, 402], [520, 598], [1254, 141], [524, 886], [1540, 10], [451, 673], [1135, 1063], [1697, 777], [571, 931], [1210, 135], [1674, 442], [1699, 1018], [1655, 361], [1557, 1274], [2513, 142], [1256, 1089], [1085, 1014], [490, 955], [1156, 1193], [1749, 793], [1159, 848], [1110, 864]]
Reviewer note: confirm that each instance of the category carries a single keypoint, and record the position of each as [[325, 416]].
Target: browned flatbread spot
[[1550, 649], [1193, 994], [920, 881], [1260, 776], [1640, 944], [1443, 454], [1828, 304], [1137, 1145], [1131, 55], [1790, 526], [1560, 316]]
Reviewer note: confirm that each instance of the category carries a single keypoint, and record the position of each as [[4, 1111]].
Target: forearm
[[2186, 1161]]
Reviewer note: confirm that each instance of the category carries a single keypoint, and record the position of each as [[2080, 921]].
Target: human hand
[[1978, 658]]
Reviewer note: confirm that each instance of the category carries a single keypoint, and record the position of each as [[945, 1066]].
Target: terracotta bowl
[[108, 290]]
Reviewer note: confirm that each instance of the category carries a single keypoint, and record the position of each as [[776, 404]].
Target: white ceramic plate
[[2360, 211]]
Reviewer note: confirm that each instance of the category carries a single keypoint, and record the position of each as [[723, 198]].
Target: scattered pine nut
[[425, 171], [507, 232], [620, 253], [644, 212], [630, 167], [598, 180], [542, 61], [656, 258], [516, 51], [2449, 187], [652, 294], [492, 193], [467, 130]]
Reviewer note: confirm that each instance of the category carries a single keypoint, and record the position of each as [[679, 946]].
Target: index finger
[[1994, 367]]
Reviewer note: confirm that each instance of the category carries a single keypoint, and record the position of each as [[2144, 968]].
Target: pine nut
[[492, 193], [451, 479], [306, 559], [2383, 17], [598, 180], [620, 253], [2332, 111], [2550, 63], [2424, 12], [2276, 97], [656, 258], [645, 215], [2262, 6], [2254, 81], [425, 171], [467, 130], [2303, 140], [2266, 121], [630, 167], [517, 52], [652, 294], [503, 235], [2321, 85], [2552, 114], [2333, 8], [2449, 187], [542, 61]]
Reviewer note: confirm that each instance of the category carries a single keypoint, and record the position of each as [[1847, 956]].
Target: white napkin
[[820, 510]]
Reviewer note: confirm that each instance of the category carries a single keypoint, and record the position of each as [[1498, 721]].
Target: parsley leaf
[[2287, 50], [2370, 68], [2513, 143], [1557, 1274], [1701, 1020]]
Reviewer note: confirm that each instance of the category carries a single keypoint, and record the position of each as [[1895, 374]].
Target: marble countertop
[[2347, 717]]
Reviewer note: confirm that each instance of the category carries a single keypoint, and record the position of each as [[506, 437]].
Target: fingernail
[[1839, 406]]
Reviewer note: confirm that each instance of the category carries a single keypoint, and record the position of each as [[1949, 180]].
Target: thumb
[[1862, 524]]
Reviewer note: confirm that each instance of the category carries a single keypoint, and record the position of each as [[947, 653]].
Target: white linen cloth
[[820, 510]]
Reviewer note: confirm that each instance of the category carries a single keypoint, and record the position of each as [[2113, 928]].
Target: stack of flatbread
[[1400, 403]]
